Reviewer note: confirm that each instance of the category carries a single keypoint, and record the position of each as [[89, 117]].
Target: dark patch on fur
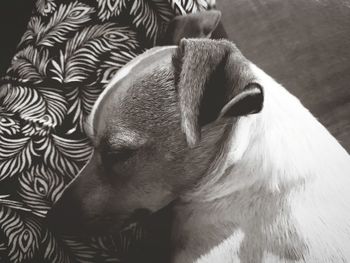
[[150, 102], [215, 96]]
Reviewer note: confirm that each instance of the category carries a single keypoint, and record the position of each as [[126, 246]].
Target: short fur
[[264, 183]]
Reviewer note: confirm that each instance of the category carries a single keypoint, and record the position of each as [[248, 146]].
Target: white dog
[[254, 176]]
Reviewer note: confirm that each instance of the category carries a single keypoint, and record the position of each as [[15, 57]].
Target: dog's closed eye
[[120, 155]]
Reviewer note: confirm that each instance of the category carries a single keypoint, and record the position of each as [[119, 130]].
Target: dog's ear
[[213, 81], [195, 25]]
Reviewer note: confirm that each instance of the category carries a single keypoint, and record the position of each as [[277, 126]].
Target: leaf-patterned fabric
[[67, 55]]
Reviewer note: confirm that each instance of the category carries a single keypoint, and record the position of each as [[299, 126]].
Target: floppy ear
[[196, 25], [214, 81]]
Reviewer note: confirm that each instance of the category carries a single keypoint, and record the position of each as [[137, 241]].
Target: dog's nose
[[65, 217]]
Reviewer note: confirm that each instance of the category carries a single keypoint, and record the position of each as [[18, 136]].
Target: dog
[[253, 176]]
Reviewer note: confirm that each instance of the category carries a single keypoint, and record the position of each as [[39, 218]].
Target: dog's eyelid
[[121, 154], [119, 151]]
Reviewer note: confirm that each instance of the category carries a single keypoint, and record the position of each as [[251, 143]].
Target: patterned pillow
[[67, 55]]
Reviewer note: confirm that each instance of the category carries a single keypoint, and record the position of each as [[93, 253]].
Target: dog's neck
[[257, 194]]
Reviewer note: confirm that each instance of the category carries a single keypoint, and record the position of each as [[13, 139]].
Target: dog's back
[[297, 207]]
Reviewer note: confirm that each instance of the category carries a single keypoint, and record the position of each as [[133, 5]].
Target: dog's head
[[156, 129]]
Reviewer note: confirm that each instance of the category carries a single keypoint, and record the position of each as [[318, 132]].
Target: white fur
[[284, 177]]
